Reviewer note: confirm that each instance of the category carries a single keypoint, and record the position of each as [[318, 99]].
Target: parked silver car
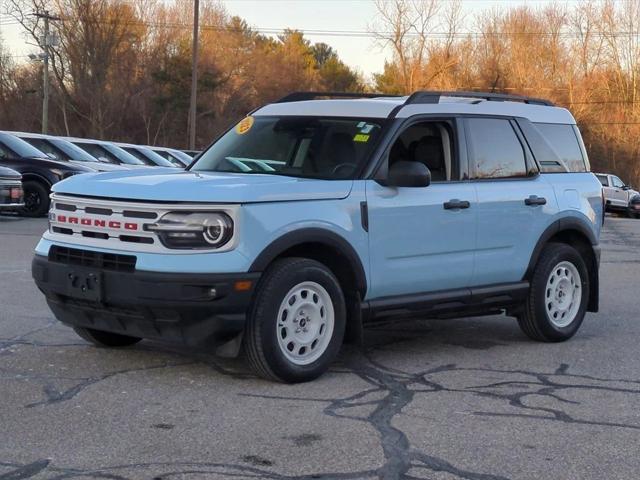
[[146, 155], [107, 151], [177, 157], [618, 196]]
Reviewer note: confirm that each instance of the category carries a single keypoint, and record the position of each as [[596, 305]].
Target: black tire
[[534, 320], [261, 343], [105, 339], [36, 199]]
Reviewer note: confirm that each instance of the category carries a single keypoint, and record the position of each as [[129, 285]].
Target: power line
[[364, 34]]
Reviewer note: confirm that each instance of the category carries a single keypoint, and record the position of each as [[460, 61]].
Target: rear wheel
[[297, 321], [557, 300], [105, 339], [36, 199]]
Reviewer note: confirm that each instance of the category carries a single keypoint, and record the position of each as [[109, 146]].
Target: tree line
[[122, 69]]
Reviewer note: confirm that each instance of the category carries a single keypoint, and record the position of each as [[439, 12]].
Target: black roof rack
[[300, 96], [434, 97]]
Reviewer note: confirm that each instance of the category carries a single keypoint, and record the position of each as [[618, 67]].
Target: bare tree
[[406, 27]]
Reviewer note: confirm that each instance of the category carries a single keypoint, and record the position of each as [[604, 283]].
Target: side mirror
[[626, 187], [408, 174]]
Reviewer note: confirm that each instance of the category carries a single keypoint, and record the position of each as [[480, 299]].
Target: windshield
[[21, 148], [312, 147], [148, 157], [122, 155], [73, 151]]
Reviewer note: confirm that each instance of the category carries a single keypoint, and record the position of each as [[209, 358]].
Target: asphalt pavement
[[446, 399]]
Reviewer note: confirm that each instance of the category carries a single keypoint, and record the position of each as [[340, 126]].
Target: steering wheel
[[343, 166]]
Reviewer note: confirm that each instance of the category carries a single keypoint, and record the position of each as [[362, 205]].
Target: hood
[[7, 173], [167, 185]]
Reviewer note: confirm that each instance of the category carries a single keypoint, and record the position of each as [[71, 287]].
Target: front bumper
[[167, 306]]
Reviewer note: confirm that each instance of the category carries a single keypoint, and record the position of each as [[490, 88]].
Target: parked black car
[[39, 172], [634, 206], [11, 194], [63, 150]]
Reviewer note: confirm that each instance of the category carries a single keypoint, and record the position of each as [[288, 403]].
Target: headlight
[[184, 230]]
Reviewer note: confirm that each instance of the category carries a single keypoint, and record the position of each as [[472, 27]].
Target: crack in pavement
[[21, 339], [396, 389]]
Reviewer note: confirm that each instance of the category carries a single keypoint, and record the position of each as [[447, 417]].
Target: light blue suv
[[316, 214]]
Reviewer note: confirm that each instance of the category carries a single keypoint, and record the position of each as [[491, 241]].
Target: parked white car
[[618, 196]]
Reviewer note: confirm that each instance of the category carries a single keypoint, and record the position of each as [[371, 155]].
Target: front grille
[[102, 222], [87, 258]]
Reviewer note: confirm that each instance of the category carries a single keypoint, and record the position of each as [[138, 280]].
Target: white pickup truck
[[618, 196]]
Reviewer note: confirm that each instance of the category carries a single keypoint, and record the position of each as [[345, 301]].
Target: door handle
[[535, 200], [456, 204]]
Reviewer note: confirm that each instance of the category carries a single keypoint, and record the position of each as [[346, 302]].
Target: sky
[[331, 17]]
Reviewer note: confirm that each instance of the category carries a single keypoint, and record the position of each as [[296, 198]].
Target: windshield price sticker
[[244, 126]]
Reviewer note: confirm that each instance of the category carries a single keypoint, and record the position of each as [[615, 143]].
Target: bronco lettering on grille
[[92, 222]]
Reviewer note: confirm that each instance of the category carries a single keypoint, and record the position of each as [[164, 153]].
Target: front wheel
[[557, 300], [36, 199], [297, 322]]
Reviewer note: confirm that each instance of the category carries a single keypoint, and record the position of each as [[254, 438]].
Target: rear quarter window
[[563, 139]]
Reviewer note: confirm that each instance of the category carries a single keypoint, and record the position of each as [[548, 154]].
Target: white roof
[[381, 108]]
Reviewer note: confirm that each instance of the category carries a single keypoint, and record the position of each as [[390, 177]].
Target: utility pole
[[46, 42], [194, 77]]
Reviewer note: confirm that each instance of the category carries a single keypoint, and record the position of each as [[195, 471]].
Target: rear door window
[[603, 180], [564, 142], [495, 149]]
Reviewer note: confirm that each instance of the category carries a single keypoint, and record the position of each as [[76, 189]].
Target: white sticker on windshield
[[366, 128]]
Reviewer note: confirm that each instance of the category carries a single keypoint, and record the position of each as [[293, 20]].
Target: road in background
[[447, 399]]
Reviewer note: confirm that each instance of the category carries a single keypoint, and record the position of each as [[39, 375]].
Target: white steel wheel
[[306, 320], [563, 294]]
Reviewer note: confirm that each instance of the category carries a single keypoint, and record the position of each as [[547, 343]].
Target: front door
[[619, 196], [422, 238]]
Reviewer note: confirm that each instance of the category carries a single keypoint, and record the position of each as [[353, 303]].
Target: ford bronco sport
[[316, 214]]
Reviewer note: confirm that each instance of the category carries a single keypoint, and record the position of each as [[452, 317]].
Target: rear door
[[422, 238], [515, 202]]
